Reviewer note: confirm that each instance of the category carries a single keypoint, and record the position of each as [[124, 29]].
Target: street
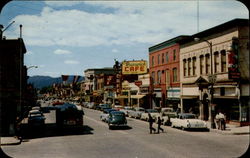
[[97, 141]]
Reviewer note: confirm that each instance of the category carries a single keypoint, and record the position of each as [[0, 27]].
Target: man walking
[[159, 121], [150, 120]]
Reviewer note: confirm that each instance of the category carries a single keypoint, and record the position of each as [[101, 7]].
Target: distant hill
[[44, 81]]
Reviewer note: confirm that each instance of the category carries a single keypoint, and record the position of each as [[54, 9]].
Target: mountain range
[[45, 81]]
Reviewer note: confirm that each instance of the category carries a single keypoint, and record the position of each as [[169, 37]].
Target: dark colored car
[[104, 106], [69, 115], [36, 118], [117, 119]]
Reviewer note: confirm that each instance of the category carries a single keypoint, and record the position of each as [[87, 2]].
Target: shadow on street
[[51, 130]]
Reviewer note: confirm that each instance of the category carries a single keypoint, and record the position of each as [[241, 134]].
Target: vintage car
[[105, 114], [188, 121], [136, 112], [36, 118], [117, 119], [167, 114], [126, 110], [154, 113]]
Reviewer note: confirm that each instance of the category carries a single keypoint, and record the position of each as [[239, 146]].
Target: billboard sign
[[134, 67]]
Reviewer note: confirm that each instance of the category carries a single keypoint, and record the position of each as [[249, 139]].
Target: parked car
[[188, 121], [154, 113], [117, 107], [117, 119], [126, 110], [166, 115], [91, 105], [105, 114], [36, 118], [104, 106], [136, 112]]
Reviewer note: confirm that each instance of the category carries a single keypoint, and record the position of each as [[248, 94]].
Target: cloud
[[71, 62], [131, 23], [60, 52], [56, 3], [115, 51]]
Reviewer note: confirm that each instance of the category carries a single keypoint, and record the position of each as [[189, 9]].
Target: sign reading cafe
[[134, 67]]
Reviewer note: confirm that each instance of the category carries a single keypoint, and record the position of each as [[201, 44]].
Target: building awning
[[137, 96], [122, 97]]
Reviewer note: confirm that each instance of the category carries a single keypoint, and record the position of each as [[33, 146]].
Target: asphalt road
[[95, 140]]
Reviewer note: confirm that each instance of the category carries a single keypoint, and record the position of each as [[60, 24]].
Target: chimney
[[20, 30]]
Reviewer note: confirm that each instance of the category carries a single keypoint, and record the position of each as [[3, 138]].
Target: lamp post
[[212, 80]]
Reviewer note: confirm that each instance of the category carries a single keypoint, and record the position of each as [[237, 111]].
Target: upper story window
[[174, 54], [162, 58], [223, 61], [216, 62], [189, 67], [168, 77], [166, 57], [159, 59], [184, 67], [153, 61], [207, 63], [202, 63], [194, 65], [159, 77], [175, 77], [153, 77]]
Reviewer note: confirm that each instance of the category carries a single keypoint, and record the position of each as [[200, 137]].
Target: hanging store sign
[[233, 71], [134, 67]]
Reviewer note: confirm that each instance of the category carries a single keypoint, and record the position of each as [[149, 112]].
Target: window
[[201, 64], [175, 75], [166, 57], [216, 62], [159, 77], [189, 67], [162, 58], [223, 61], [184, 67], [194, 65], [153, 77], [174, 54], [159, 59], [153, 63], [207, 64], [167, 78]]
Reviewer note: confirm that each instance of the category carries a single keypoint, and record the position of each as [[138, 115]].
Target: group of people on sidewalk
[[220, 120], [151, 121]]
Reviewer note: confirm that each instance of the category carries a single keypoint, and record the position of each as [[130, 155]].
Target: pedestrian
[[150, 120], [223, 121], [217, 120], [159, 121]]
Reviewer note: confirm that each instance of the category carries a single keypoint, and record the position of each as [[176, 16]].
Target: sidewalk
[[10, 141], [231, 130]]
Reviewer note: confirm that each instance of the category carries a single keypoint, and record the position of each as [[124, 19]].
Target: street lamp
[[212, 80]]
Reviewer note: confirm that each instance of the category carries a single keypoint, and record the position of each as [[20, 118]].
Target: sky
[[68, 37]]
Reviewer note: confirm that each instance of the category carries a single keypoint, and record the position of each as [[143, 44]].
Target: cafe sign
[[134, 67]]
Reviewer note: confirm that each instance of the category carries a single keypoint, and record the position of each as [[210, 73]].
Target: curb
[[19, 141], [229, 133]]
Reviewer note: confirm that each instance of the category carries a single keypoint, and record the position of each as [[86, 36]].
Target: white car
[[188, 121], [154, 113], [105, 114], [126, 110], [136, 112]]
